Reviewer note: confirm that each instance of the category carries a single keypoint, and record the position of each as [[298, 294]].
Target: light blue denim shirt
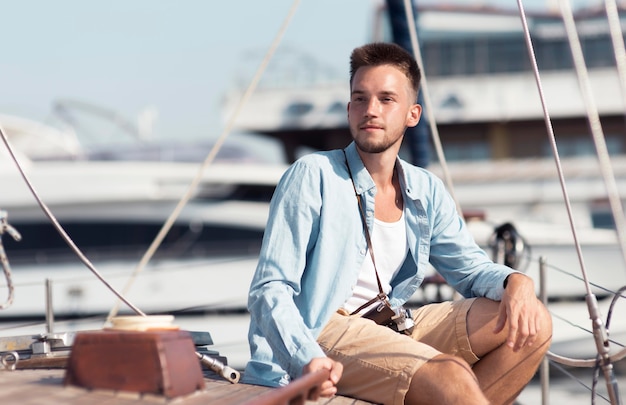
[[314, 246]]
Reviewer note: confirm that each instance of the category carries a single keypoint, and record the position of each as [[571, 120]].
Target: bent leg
[[445, 379], [379, 363], [383, 366], [501, 372]]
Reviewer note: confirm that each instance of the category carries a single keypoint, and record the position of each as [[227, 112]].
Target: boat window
[[584, 146], [298, 109], [452, 101], [598, 52], [337, 108], [554, 55], [106, 241], [240, 192], [602, 220], [601, 214], [477, 150], [504, 51]]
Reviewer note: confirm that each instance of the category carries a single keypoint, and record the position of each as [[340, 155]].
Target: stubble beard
[[369, 145]]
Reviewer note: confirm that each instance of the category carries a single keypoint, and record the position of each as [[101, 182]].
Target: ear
[[413, 116]]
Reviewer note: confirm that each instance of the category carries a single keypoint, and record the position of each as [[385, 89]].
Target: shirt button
[[362, 252]]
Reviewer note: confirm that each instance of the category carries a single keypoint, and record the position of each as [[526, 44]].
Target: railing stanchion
[[544, 370]]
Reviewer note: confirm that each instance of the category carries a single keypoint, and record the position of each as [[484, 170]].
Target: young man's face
[[381, 106]]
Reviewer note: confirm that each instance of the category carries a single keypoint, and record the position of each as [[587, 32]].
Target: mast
[[417, 137]]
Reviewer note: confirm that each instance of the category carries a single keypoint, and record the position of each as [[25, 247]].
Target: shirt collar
[[361, 177]]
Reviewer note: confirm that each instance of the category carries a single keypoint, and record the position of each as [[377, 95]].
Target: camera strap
[[381, 294]]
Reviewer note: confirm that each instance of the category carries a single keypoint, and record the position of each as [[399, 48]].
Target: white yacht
[[113, 209], [490, 122]]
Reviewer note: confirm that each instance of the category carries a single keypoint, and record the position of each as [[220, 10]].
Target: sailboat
[[486, 107], [522, 233]]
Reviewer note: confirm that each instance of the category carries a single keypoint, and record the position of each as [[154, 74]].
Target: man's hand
[[521, 307], [327, 388]]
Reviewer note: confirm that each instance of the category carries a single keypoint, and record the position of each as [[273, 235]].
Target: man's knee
[[544, 333], [445, 379]]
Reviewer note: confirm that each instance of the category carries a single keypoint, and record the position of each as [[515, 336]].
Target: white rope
[[408, 7], [595, 126], [209, 159], [615, 28], [599, 332], [552, 139]]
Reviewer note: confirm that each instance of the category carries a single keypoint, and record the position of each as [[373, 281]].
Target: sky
[[175, 58]]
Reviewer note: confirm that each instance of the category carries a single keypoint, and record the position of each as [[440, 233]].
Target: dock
[[46, 387]]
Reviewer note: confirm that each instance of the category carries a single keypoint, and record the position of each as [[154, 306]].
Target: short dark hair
[[382, 53]]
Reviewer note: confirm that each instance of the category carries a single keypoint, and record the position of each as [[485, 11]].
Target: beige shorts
[[379, 363]]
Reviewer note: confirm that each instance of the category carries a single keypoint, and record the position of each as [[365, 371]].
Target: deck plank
[[45, 387]]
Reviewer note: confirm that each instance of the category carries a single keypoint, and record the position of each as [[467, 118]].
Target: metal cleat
[[36, 351], [5, 227]]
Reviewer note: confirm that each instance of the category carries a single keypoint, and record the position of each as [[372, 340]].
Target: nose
[[373, 106]]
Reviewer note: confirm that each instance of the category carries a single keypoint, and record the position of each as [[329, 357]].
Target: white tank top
[[390, 249]]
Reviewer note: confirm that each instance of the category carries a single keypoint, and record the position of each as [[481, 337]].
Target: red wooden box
[[156, 362]]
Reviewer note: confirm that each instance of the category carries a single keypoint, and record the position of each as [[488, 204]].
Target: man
[[315, 268]]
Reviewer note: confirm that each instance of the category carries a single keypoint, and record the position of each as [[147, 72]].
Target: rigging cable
[[209, 159], [408, 7], [615, 28], [217, 366], [607, 325], [61, 231], [600, 333], [595, 126]]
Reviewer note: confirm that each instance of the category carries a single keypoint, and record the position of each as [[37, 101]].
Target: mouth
[[370, 127]]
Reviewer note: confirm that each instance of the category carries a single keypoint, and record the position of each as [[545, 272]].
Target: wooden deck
[[45, 387], [135, 367]]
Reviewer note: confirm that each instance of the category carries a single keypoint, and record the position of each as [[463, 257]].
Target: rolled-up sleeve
[[455, 254]]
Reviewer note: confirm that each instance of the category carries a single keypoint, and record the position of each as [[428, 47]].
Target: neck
[[381, 166], [388, 200]]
